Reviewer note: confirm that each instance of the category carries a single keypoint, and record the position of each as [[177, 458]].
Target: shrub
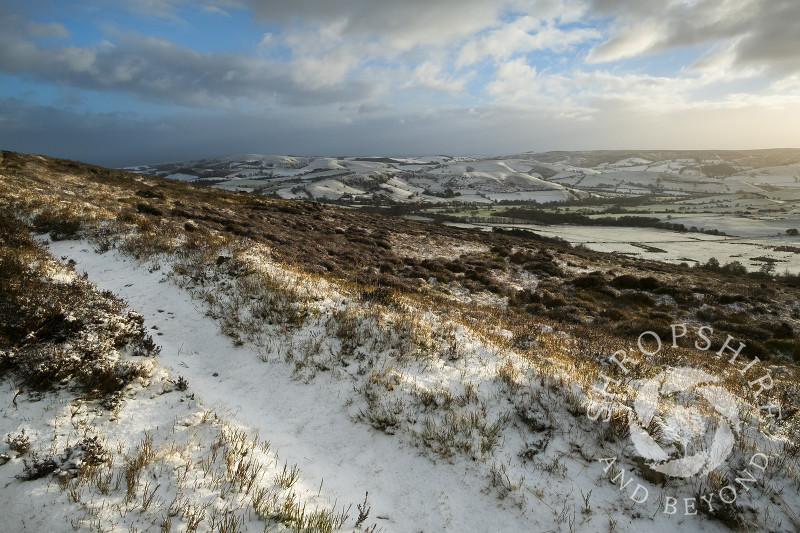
[[735, 267], [37, 467], [725, 299], [625, 281], [19, 443], [786, 347], [150, 193], [61, 224], [181, 384], [613, 314], [149, 209], [55, 332], [636, 299], [649, 284], [635, 327], [594, 280]]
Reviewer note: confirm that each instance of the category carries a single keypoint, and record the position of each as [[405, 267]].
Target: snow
[[399, 190], [496, 178], [331, 189], [306, 425], [630, 162], [317, 421], [677, 247], [324, 163]]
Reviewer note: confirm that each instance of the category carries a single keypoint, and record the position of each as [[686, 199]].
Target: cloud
[[773, 39], [161, 71], [759, 32], [514, 80], [429, 74], [586, 94], [374, 108], [170, 9], [398, 25], [215, 10], [642, 38], [523, 35], [121, 139], [393, 77]]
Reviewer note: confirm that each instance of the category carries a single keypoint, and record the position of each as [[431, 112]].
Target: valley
[[733, 206]]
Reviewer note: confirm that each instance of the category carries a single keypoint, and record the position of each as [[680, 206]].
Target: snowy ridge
[[528, 177]]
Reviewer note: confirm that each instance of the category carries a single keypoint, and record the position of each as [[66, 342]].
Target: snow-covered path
[[306, 424]]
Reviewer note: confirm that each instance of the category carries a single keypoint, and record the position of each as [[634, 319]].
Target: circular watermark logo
[[683, 421], [673, 421]]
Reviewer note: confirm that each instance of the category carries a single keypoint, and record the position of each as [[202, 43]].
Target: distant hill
[[540, 177]]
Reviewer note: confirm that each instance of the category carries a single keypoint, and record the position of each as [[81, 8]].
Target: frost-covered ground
[[307, 425]]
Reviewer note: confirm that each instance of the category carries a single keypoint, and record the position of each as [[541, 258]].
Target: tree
[[735, 267]]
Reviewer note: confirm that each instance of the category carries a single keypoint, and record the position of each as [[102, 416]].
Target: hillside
[[530, 177], [178, 357], [687, 206]]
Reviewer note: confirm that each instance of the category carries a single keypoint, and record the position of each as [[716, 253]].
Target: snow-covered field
[[673, 247]]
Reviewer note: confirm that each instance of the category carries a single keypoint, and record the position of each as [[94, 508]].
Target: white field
[[678, 248], [330, 188]]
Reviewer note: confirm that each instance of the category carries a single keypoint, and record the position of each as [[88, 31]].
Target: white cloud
[[170, 9], [267, 40], [523, 35], [429, 74], [398, 26], [788, 84], [215, 10], [628, 42], [515, 80], [158, 70], [720, 63]]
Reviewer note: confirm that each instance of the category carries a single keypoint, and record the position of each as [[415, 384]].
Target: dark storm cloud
[[773, 38], [110, 139], [119, 139], [405, 24], [759, 33]]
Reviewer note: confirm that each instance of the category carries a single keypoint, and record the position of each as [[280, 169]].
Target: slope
[[447, 372]]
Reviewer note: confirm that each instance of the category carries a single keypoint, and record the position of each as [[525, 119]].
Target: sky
[[124, 82]]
